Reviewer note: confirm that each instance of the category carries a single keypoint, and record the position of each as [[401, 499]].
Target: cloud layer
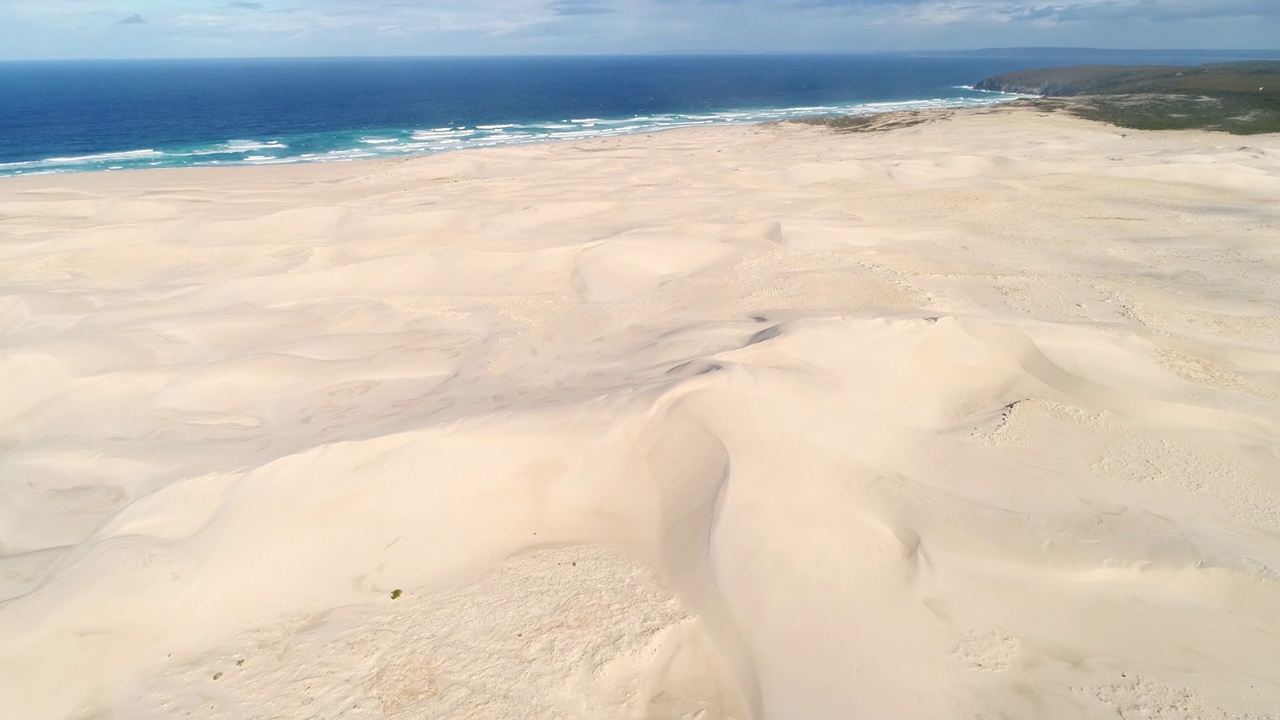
[[69, 28]]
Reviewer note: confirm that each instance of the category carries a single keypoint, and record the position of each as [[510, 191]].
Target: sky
[[54, 29]]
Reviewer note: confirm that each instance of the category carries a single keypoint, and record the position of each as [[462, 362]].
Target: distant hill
[[1238, 97], [1248, 77], [1086, 53]]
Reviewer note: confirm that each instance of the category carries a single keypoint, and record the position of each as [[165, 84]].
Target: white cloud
[[342, 27]]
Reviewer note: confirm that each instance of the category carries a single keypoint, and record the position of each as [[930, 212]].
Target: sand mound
[[540, 635], [975, 418]]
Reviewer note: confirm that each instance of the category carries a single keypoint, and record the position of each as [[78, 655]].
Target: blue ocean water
[[111, 115]]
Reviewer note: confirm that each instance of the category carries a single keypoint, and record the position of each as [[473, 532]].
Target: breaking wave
[[386, 143]]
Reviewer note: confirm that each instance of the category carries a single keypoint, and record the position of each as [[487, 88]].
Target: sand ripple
[[976, 418]]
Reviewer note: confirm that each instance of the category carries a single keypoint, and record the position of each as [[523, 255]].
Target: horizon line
[[682, 53]]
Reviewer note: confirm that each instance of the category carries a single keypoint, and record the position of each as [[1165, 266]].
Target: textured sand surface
[[978, 418]]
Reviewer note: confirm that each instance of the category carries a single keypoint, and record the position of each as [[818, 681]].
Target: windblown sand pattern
[[973, 418]]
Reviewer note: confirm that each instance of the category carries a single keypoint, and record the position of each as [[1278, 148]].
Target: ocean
[[114, 115]]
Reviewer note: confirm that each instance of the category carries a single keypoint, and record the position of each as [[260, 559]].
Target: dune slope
[[975, 418]]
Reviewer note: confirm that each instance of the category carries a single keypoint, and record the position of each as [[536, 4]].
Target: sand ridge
[[973, 418]]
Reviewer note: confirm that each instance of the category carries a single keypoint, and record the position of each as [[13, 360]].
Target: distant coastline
[[1239, 97], [118, 115], [1082, 52]]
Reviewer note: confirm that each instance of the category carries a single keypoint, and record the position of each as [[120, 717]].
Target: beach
[[972, 418]]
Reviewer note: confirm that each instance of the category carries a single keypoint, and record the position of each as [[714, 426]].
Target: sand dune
[[978, 418]]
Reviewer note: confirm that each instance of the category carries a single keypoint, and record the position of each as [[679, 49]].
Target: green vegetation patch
[[1262, 78], [1240, 97], [1236, 113], [877, 122]]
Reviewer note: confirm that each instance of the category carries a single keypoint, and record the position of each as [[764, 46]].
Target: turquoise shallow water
[[78, 116]]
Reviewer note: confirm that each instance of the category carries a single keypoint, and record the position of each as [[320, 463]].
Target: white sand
[[974, 419]]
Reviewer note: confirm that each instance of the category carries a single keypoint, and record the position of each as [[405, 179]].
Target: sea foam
[[392, 142]]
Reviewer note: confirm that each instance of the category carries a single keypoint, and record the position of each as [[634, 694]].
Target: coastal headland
[[976, 416], [1237, 97]]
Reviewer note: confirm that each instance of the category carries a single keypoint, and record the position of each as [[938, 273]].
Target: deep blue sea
[[114, 115]]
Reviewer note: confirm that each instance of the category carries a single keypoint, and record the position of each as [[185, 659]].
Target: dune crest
[[974, 418]]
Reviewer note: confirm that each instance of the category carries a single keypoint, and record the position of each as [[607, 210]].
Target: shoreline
[[579, 130], [748, 420], [869, 121]]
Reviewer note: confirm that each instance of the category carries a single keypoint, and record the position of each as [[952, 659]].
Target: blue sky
[[32, 29]]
